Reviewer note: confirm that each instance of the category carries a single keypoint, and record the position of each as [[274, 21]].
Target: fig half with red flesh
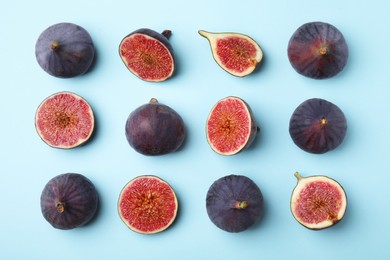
[[147, 204], [318, 202], [318, 50], [236, 53], [148, 54], [64, 120], [317, 126], [230, 126], [69, 200], [234, 203]]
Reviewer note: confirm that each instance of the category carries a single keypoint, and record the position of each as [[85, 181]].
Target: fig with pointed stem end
[[236, 53], [317, 126], [234, 203], [231, 126], [65, 50], [147, 204], [318, 202], [318, 50], [148, 54]]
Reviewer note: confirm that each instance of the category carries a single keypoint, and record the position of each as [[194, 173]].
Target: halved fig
[[155, 129], [148, 54], [234, 203], [236, 53], [65, 50], [147, 204], [64, 120], [317, 126], [69, 200], [231, 126], [318, 202], [318, 50]]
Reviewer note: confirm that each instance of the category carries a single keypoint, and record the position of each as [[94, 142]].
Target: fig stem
[[241, 204], [55, 46], [60, 207], [298, 176], [153, 100], [167, 33]]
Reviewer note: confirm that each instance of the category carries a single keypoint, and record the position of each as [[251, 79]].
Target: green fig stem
[[153, 100], [167, 33], [241, 204], [298, 176], [55, 46]]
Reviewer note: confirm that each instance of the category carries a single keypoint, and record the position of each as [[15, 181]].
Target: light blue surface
[[360, 164]]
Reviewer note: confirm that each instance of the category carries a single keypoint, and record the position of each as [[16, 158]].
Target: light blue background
[[360, 164]]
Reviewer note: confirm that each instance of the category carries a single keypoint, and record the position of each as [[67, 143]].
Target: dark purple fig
[[236, 53], [318, 202], [234, 203], [148, 54], [69, 200], [65, 50], [318, 50], [317, 126], [155, 129]]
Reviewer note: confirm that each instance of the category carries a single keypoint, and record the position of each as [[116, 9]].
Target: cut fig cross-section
[[236, 53], [148, 54], [318, 202], [230, 126], [64, 120], [147, 204]]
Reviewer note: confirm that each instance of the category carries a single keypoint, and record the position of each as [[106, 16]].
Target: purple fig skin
[[69, 200], [234, 203], [65, 50], [155, 129], [318, 50], [317, 126]]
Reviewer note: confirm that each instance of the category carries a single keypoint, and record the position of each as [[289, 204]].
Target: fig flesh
[[318, 50], [65, 50], [236, 53], [318, 202], [317, 126], [69, 200], [231, 126], [147, 204], [234, 203], [148, 54], [155, 129], [64, 120]]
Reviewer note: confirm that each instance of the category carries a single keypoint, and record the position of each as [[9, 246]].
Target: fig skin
[[227, 123], [69, 200], [148, 204], [162, 38], [155, 129], [317, 126], [244, 51], [60, 125], [234, 203], [65, 50], [332, 198], [318, 50]]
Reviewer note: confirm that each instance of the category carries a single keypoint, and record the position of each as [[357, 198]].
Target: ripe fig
[[234, 203], [147, 204], [69, 200], [148, 54], [230, 126], [236, 53], [65, 50], [155, 129], [318, 202], [317, 126], [64, 120], [318, 50]]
